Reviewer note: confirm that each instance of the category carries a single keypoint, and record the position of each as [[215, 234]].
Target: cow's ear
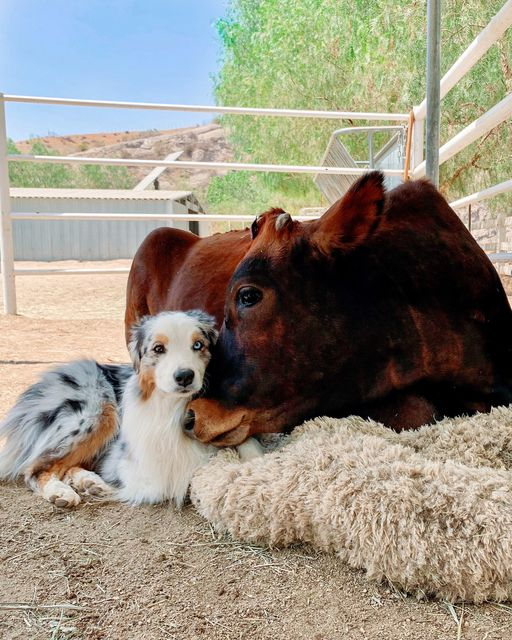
[[354, 217]]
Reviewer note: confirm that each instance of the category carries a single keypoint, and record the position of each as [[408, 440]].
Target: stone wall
[[493, 232], [507, 283]]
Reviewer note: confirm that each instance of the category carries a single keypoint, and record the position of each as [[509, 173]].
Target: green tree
[[30, 174], [358, 55], [94, 176]]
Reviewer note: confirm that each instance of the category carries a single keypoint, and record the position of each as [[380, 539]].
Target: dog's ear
[[136, 344], [206, 324], [210, 333]]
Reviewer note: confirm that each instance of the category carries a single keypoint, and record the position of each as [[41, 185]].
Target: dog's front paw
[[60, 494], [88, 482], [250, 449]]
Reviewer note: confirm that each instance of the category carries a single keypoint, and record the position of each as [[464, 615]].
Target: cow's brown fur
[[385, 307], [175, 270]]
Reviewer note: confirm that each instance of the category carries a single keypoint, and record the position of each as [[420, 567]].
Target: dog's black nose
[[184, 377]]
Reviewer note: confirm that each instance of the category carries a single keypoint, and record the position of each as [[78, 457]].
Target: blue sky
[[140, 50]]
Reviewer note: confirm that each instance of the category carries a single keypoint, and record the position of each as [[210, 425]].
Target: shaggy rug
[[429, 510]]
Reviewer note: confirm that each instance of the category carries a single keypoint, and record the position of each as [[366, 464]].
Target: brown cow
[[385, 307]]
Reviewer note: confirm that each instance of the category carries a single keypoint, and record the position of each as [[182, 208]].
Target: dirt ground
[[115, 572]]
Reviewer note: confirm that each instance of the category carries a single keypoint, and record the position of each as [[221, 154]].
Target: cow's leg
[[155, 264]]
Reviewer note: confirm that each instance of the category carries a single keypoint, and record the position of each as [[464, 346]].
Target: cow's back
[[435, 297], [176, 270]]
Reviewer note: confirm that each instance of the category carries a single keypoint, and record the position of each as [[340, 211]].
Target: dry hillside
[[202, 143]]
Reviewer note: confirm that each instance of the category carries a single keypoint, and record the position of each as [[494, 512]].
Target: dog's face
[[170, 351]]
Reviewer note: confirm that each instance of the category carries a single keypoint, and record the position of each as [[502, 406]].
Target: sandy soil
[[114, 572]]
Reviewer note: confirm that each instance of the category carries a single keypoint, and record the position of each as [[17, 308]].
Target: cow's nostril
[[184, 377]]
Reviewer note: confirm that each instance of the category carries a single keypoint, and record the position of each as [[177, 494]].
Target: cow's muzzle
[[214, 424]]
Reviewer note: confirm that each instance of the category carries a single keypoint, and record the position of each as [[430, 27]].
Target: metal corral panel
[[87, 240], [392, 156], [335, 186]]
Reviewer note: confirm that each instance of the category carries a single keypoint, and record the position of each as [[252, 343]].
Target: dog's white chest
[[157, 459]]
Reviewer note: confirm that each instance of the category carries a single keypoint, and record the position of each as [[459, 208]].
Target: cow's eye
[[248, 296], [198, 345], [159, 348]]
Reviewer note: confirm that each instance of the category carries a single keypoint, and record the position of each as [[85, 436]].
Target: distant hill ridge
[[201, 143]]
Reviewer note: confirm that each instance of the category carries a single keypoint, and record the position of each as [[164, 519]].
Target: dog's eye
[[198, 345], [159, 348], [248, 296]]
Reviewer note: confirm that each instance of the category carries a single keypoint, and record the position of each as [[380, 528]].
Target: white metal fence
[[497, 114]]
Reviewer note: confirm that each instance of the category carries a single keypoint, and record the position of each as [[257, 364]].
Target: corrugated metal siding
[[85, 240]]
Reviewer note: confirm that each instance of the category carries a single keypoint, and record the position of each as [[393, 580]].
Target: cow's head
[[283, 312]]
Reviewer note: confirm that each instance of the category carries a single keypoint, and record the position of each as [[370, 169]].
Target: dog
[[117, 431]]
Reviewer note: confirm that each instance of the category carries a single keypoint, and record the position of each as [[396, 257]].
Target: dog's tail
[[55, 414]]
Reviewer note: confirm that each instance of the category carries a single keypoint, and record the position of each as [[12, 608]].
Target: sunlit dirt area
[[106, 571]]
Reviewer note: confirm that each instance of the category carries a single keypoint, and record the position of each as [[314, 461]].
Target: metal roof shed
[[92, 239]]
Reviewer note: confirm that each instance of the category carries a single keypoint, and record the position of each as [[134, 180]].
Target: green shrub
[[43, 175], [356, 55]]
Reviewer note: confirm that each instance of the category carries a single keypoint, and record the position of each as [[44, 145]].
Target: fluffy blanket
[[428, 510]]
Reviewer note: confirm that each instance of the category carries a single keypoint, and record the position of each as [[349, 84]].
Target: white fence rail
[[69, 272], [185, 217], [480, 45], [6, 243], [193, 164], [485, 194], [478, 128], [9, 271], [496, 115], [242, 111]]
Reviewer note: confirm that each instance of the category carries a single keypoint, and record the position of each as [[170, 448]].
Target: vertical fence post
[[501, 234], [6, 244], [418, 141], [433, 89]]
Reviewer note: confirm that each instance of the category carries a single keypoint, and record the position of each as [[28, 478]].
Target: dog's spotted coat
[[116, 430]]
